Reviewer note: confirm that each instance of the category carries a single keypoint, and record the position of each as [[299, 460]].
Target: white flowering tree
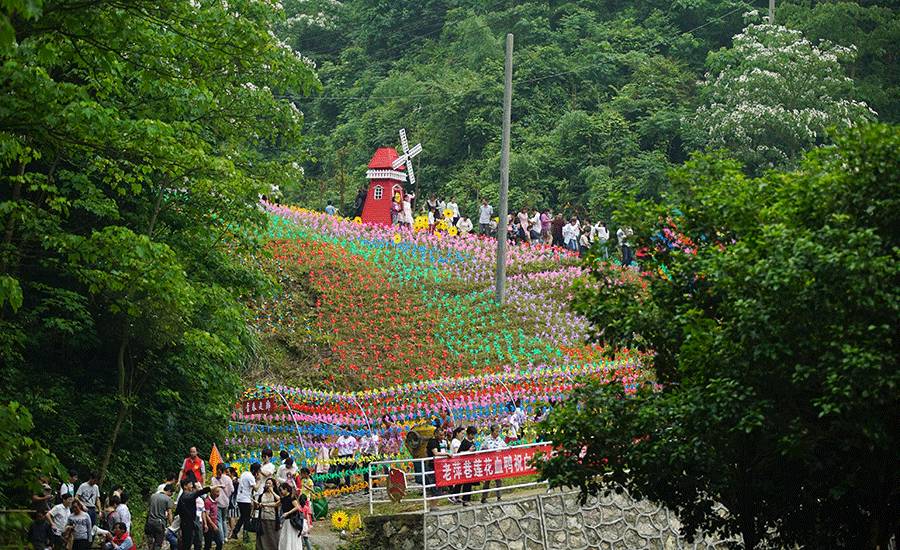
[[774, 95]]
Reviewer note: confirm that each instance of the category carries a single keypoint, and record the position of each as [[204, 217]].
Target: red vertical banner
[[482, 466]]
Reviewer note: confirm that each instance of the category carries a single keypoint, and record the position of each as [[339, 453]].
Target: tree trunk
[[124, 404], [11, 222]]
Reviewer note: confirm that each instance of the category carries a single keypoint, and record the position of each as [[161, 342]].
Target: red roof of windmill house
[[383, 158]]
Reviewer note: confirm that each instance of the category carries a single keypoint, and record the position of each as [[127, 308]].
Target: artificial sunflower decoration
[[452, 231], [448, 213], [397, 238], [357, 219], [355, 522], [340, 519]]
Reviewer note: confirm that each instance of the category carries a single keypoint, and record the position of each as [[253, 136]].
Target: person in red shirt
[[193, 464]]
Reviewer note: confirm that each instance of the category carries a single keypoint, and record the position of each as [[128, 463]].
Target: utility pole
[[504, 174], [771, 12], [341, 153]]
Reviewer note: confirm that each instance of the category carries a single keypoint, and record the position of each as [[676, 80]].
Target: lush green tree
[[872, 29], [436, 69], [23, 461], [770, 306], [135, 140], [773, 94]]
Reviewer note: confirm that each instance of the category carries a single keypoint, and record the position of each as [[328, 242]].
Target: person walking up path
[[493, 442], [485, 212]]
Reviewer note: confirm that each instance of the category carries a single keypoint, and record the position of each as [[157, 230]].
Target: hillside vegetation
[[608, 95]]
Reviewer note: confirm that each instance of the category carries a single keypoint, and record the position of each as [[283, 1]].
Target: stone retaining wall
[[395, 532], [557, 520]]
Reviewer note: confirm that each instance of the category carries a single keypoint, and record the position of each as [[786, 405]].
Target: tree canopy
[[770, 305], [605, 93], [135, 140]]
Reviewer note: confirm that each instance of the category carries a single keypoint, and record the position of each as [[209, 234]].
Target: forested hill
[[606, 93]]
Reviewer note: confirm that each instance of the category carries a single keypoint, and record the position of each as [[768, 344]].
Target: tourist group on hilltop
[[530, 226]]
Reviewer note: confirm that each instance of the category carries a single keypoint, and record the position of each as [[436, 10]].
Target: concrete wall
[[556, 520]]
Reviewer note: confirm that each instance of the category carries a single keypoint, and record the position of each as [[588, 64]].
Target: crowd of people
[[193, 509], [183, 512], [532, 226]]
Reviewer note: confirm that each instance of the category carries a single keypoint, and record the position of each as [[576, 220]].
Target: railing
[[423, 479]]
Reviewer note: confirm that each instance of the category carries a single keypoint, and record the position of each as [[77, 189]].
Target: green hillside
[[605, 92]]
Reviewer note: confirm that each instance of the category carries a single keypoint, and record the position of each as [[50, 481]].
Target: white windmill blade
[[398, 162], [415, 150], [412, 175], [403, 140]]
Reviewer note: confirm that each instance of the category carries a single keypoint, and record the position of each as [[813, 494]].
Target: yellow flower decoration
[[441, 225], [439, 235], [452, 231], [448, 213], [355, 522], [340, 519], [357, 219], [397, 237]]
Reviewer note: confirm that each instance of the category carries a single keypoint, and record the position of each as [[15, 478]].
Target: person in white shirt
[[464, 225], [570, 235], [534, 226], [223, 480], [246, 484], [323, 455], [407, 210], [516, 418], [368, 445], [58, 516], [454, 208], [600, 233], [368, 448], [287, 472], [347, 446], [622, 235], [89, 494], [266, 471], [485, 212], [456, 441], [522, 230], [584, 243], [68, 487], [171, 478], [123, 513], [493, 442]]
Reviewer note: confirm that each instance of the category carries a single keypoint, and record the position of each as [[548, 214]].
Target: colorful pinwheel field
[[402, 323]]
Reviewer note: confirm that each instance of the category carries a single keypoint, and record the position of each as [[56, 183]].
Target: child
[[39, 532], [306, 508], [305, 483]]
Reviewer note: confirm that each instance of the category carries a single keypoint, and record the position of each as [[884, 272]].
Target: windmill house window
[[379, 192]]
